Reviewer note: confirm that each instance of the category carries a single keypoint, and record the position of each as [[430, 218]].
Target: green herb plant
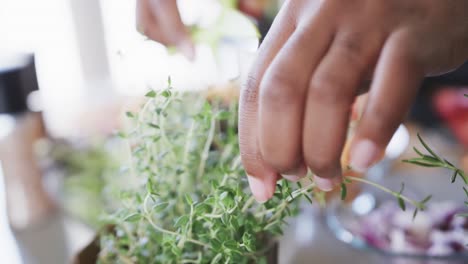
[[192, 203]]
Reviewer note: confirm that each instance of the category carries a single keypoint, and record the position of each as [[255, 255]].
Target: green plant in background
[[87, 168], [191, 203]]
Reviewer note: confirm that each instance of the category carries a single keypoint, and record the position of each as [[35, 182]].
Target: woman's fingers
[[262, 177], [168, 17], [160, 21], [145, 22], [397, 79], [282, 97], [332, 91]]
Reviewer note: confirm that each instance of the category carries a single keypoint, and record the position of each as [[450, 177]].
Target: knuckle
[[352, 47], [329, 89], [252, 162], [282, 161], [320, 164], [280, 90]]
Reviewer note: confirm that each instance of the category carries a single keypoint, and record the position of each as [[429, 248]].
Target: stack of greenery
[[190, 203]]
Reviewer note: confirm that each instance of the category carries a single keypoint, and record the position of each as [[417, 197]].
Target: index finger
[[262, 178]]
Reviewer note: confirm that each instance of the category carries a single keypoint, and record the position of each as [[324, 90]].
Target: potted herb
[[188, 201]]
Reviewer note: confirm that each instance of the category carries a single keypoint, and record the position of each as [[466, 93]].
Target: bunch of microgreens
[[192, 203]]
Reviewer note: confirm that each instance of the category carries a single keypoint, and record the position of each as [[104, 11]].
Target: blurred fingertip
[[187, 48]]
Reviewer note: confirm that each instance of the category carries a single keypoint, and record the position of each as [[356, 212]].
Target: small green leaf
[[428, 148], [182, 221], [122, 134], [153, 126], [230, 244], [415, 213], [308, 198], [449, 163], [133, 217], [279, 188], [401, 203], [149, 187], [420, 163], [169, 81], [425, 200], [151, 94], [202, 208], [343, 191], [166, 93], [159, 207], [418, 152], [189, 199], [466, 191], [402, 188], [216, 245], [176, 250], [454, 176], [129, 114]]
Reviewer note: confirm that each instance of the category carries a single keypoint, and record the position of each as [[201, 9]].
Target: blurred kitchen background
[[92, 66]]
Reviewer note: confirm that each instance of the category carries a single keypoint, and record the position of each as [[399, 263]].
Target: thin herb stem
[[165, 231], [247, 204], [382, 188], [279, 210], [206, 149]]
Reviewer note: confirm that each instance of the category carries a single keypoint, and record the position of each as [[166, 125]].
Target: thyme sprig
[[432, 160]]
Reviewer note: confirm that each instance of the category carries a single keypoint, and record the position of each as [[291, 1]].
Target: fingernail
[[326, 184], [293, 178], [363, 155], [259, 189], [186, 48], [296, 174]]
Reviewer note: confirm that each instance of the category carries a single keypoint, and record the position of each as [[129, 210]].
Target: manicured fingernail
[[326, 184], [186, 48], [259, 189], [363, 155]]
